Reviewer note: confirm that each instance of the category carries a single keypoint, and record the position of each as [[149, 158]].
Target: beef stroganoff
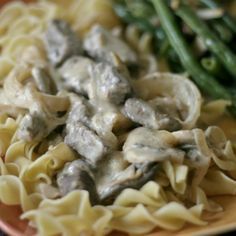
[[94, 136]]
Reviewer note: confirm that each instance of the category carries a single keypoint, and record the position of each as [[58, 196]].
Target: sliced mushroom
[[171, 91], [103, 123], [166, 122], [77, 175], [43, 80], [41, 120], [108, 84], [61, 42], [134, 176], [86, 142], [146, 145], [100, 42], [166, 105], [75, 75], [223, 150], [143, 113], [140, 112], [114, 175], [198, 155], [194, 143], [21, 92]]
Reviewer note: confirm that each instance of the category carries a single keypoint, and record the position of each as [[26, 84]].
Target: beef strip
[[77, 175], [99, 43], [140, 112], [86, 142], [108, 84], [61, 42]]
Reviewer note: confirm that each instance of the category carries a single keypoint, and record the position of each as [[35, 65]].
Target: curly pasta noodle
[[125, 214], [26, 176]]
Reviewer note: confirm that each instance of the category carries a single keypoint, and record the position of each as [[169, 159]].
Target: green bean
[[161, 45], [205, 81], [127, 17], [228, 20], [224, 33], [142, 24], [140, 8], [211, 64], [213, 43]]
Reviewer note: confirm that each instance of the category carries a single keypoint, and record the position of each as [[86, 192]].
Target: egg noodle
[[179, 192]]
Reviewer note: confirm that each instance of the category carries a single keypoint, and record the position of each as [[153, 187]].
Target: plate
[[10, 221], [221, 222]]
